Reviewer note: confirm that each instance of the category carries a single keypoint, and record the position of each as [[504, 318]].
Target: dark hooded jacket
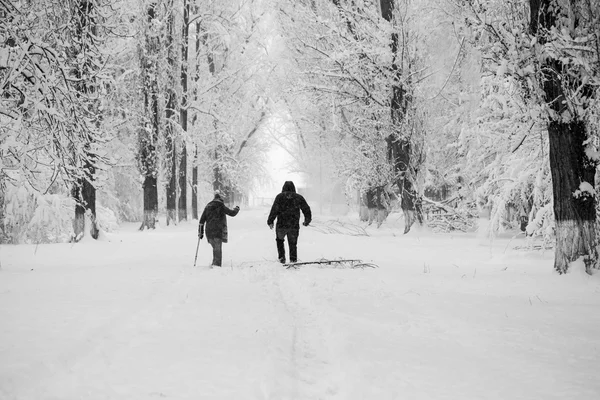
[[214, 217], [286, 208]]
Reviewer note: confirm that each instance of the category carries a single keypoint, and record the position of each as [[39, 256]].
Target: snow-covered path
[[444, 317]]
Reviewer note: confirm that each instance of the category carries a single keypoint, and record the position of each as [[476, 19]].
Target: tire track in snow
[[314, 369]]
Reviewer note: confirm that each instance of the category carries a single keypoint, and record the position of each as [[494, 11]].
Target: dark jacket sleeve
[[306, 211], [202, 222], [274, 211], [230, 212], [203, 217]]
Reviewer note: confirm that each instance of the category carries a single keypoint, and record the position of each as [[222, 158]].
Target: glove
[[305, 223], [271, 226], [201, 235], [236, 208], [201, 232]]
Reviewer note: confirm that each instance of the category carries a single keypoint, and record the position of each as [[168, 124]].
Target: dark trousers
[[292, 236], [217, 245]]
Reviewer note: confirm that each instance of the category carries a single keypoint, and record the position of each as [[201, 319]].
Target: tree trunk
[[399, 147], [218, 184], [3, 230], [575, 216], [199, 34], [150, 203], [183, 113], [148, 136], [84, 192], [195, 190], [574, 210], [170, 140], [172, 168]]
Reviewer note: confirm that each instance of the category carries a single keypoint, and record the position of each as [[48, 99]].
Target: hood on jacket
[[288, 186], [218, 196]]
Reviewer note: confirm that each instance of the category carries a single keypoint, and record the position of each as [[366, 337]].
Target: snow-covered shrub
[[33, 217], [17, 212], [52, 220], [106, 219], [542, 225]]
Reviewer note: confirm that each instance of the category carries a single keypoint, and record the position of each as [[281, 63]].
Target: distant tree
[[171, 116], [148, 136], [358, 61], [231, 100], [183, 112]]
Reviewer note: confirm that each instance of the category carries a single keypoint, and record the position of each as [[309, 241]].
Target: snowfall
[[444, 316]]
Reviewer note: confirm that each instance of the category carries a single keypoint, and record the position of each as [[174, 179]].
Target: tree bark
[[148, 136], [183, 113], [195, 190], [84, 192], [399, 147], [199, 34], [150, 203], [575, 216], [574, 211], [170, 140], [3, 230]]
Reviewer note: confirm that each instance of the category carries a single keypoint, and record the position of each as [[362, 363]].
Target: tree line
[[464, 105]]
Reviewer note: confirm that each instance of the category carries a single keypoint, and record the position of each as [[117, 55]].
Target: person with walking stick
[[214, 217]]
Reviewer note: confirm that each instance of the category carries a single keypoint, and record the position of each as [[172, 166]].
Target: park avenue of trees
[[115, 110]]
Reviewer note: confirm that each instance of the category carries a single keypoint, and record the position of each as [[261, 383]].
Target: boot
[[280, 251], [293, 243], [293, 252]]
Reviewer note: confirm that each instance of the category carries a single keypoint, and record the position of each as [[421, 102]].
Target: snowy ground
[[444, 317]]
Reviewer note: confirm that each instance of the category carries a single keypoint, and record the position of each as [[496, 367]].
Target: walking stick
[[198, 245]]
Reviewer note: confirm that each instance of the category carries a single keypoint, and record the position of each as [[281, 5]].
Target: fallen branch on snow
[[342, 263], [441, 217]]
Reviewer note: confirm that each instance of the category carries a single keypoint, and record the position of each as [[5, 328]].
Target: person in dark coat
[[215, 217], [286, 209]]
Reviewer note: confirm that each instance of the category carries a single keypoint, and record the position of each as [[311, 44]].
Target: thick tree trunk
[[572, 171], [376, 208], [218, 184], [149, 134], [150, 203], [574, 211], [84, 192]]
